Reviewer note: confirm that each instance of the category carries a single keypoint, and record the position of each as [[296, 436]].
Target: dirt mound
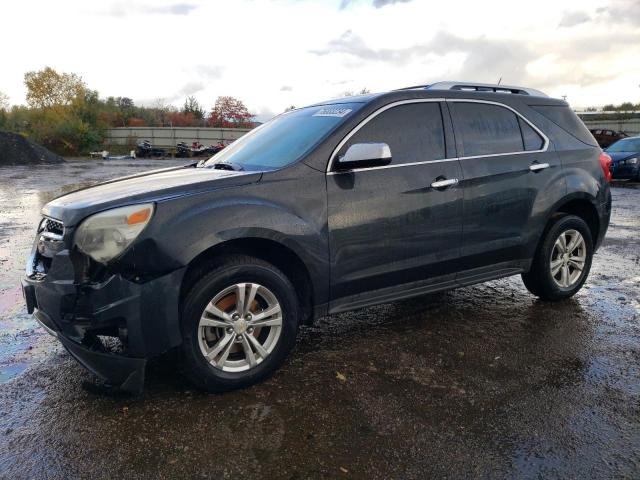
[[17, 150]]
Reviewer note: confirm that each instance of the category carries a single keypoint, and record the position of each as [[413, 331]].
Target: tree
[[136, 122], [229, 112], [192, 106], [124, 103], [47, 88], [181, 119], [159, 112], [351, 93], [4, 102], [4, 108]]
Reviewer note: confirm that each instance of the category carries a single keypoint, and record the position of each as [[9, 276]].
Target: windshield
[[626, 145], [284, 139]]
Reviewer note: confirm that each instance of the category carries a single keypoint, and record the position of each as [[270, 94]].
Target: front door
[[389, 228]]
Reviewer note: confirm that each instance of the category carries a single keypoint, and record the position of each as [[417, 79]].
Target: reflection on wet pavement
[[484, 381], [23, 192]]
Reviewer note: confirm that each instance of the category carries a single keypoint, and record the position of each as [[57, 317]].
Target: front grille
[[49, 241], [51, 226]]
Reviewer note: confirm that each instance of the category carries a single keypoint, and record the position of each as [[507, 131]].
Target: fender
[[184, 228]]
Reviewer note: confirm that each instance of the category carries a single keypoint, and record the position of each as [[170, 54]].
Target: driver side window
[[414, 133]]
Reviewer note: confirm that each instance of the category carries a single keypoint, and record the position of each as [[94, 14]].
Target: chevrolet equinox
[[323, 209]]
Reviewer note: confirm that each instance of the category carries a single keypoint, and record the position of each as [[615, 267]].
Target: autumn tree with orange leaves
[[229, 112]]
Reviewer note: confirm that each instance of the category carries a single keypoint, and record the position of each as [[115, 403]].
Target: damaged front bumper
[[111, 325]]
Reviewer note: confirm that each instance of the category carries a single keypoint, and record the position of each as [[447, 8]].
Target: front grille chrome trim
[[51, 236], [51, 225]]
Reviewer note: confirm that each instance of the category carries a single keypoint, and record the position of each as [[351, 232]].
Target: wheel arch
[[581, 205], [272, 251]]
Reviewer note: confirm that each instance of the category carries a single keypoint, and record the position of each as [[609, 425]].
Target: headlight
[[632, 161], [105, 235]]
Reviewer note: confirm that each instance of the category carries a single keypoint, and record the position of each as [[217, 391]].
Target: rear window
[[568, 121]]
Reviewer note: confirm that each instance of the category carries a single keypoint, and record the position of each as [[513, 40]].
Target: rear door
[[505, 164], [387, 225]]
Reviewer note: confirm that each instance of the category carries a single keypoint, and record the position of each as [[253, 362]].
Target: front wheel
[[239, 323], [563, 260]]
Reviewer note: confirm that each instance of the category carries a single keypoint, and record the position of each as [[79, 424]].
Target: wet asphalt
[[481, 382]]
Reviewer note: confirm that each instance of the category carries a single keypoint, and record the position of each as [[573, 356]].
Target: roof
[[485, 91]]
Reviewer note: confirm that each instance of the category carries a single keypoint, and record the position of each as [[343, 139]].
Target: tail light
[[605, 163]]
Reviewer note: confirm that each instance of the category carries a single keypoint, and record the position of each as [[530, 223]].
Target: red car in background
[[607, 137]]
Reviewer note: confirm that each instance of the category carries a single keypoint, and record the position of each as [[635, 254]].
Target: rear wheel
[[239, 322], [563, 260]]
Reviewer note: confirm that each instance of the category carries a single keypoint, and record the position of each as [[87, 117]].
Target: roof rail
[[479, 87]]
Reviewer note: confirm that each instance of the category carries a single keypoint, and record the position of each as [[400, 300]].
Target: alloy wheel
[[240, 327], [568, 258]]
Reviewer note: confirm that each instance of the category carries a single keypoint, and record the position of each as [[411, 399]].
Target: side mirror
[[362, 155]]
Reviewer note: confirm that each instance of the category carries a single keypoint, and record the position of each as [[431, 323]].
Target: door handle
[[536, 167], [444, 183]]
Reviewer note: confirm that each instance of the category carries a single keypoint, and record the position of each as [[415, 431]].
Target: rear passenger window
[[487, 129], [530, 138], [414, 133]]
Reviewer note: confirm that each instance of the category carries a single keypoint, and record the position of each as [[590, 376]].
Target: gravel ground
[[483, 382]]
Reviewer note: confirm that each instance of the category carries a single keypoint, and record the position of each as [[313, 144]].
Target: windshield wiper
[[227, 166]]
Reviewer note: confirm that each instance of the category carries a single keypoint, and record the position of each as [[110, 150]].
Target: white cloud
[[273, 54]]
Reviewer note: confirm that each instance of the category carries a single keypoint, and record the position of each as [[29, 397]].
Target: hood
[[155, 185], [617, 156]]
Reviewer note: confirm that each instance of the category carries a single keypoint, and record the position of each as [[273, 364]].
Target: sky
[[276, 53]]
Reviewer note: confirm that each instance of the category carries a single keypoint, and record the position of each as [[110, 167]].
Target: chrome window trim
[[393, 166], [448, 159]]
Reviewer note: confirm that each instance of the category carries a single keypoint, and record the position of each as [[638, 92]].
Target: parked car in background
[[332, 207], [607, 137], [625, 156]]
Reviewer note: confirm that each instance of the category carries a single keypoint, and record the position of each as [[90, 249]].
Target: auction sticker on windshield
[[332, 112]]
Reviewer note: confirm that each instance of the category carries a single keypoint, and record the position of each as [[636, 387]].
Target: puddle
[[11, 371], [23, 192]]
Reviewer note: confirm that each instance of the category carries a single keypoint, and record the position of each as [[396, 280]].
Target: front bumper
[[126, 373], [111, 327]]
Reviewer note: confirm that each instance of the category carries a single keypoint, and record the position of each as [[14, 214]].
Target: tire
[[560, 283], [222, 333]]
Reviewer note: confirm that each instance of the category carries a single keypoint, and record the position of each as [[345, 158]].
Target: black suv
[[323, 209]]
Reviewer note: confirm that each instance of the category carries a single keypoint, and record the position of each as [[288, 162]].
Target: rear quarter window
[[567, 120]]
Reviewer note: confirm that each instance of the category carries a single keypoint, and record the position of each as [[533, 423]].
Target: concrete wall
[[632, 127], [166, 137]]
